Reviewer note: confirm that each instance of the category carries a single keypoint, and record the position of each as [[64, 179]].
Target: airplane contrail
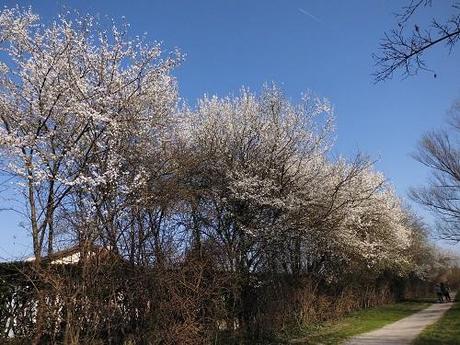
[[301, 10]]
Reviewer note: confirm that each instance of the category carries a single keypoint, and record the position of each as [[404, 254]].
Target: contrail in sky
[[301, 10]]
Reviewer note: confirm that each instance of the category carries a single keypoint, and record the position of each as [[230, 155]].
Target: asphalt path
[[404, 331]]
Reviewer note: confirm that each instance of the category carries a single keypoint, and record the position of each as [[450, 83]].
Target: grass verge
[[444, 332], [335, 332]]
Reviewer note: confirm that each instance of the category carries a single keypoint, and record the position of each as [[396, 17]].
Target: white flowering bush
[[265, 168]]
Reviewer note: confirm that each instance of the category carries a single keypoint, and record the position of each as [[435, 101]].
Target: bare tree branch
[[402, 49]]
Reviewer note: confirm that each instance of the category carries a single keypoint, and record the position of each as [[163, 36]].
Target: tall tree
[[71, 94], [440, 151]]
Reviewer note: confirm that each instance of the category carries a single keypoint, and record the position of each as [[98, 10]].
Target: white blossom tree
[[72, 95], [265, 190]]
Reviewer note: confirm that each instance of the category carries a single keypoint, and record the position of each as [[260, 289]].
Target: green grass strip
[[335, 332], [444, 332]]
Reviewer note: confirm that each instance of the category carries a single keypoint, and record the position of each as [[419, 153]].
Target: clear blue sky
[[319, 45]]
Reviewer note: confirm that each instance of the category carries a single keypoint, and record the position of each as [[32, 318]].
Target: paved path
[[404, 331]]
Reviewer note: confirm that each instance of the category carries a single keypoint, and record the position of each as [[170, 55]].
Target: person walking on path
[[445, 292], [438, 291]]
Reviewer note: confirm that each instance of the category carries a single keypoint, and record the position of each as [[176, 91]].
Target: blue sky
[[322, 46]]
